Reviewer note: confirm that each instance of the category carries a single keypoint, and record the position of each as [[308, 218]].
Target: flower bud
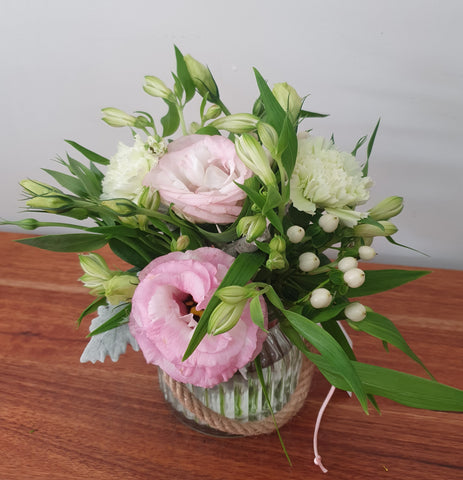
[[233, 294], [252, 227], [236, 123], [33, 187], [328, 222], [295, 234], [180, 244], [366, 252], [276, 261], [202, 78], [149, 199], [95, 266], [308, 261], [224, 317], [155, 87], [367, 230], [120, 288], [289, 100], [278, 244], [355, 277], [347, 263], [387, 208], [268, 136], [320, 298], [212, 112], [117, 118], [121, 206], [52, 202], [26, 224], [355, 312], [253, 156]]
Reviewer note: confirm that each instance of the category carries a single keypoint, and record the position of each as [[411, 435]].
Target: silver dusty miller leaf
[[111, 343]]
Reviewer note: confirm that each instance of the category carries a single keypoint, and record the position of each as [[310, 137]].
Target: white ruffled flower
[[326, 178], [128, 168]]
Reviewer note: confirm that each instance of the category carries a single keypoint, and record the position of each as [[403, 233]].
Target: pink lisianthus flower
[[197, 176], [163, 320]]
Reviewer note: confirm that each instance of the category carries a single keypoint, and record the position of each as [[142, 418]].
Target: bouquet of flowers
[[229, 223]]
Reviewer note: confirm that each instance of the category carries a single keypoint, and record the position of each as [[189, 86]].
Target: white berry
[[308, 261], [320, 298], [295, 233], [354, 277], [355, 312], [328, 222], [367, 253], [347, 263]]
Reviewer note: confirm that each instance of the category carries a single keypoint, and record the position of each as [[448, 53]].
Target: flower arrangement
[[228, 224]]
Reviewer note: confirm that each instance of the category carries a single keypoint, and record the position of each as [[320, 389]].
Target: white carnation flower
[[326, 178], [128, 168]]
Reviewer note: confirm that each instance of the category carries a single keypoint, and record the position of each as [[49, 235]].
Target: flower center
[[191, 305]]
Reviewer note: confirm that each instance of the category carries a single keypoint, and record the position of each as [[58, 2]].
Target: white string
[[318, 459]]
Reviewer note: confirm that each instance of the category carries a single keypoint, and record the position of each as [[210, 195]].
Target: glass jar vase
[[241, 398]]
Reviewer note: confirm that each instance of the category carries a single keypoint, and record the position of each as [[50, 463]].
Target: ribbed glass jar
[[241, 398]]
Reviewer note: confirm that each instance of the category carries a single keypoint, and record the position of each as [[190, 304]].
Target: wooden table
[[60, 419]]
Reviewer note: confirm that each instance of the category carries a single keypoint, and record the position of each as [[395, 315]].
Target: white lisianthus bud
[[117, 118], [236, 123], [53, 202], [355, 277], [367, 230], [295, 234], [347, 263], [268, 136], [202, 78], [320, 298], [387, 208], [355, 312], [308, 261], [155, 87], [224, 317], [33, 187], [328, 222], [289, 99], [367, 253], [121, 206], [253, 156]]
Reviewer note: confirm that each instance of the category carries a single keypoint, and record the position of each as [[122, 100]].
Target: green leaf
[[69, 242], [115, 231], [381, 327], [329, 313], [241, 271], [92, 156], [226, 236], [391, 240], [377, 281], [334, 329], [184, 76], [120, 318], [129, 254], [273, 298], [307, 114], [331, 352], [257, 315], [358, 145], [69, 182], [370, 148], [90, 181], [207, 130], [171, 121], [91, 308], [289, 153], [275, 115]]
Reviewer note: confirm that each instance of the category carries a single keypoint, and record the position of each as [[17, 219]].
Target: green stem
[[182, 119], [223, 107]]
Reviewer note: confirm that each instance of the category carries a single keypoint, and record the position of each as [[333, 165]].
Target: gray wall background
[[401, 60]]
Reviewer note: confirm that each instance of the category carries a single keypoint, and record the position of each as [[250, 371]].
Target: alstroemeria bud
[[155, 87], [95, 266], [33, 187], [121, 206], [268, 136], [320, 298], [224, 317], [180, 244], [120, 288], [276, 261], [236, 123], [233, 294], [53, 202], [118, 118], [328, 222], [202, 78], [366, 252], [149, 199], [387, 208], [355, 277], [347, 263], [355, 312], [252, 227], [295, 234], [367, 230], [254, 157], [289, 99], [277, 244], [212, 112], [308, 261]]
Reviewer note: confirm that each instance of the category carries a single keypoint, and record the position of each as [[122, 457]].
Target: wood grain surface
[[60, 419]]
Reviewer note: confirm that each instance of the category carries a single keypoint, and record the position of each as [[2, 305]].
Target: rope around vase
[[235, 427]]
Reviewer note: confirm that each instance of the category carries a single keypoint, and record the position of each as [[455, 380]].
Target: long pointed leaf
[[71, 242], [92, 156], [275, 114]]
